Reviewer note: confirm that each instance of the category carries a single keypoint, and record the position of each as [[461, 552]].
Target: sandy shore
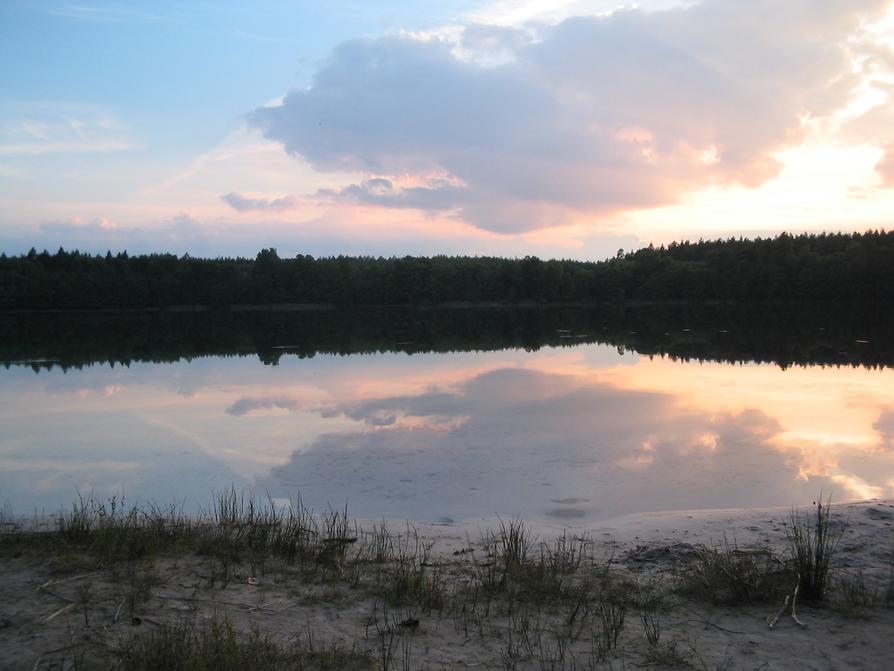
[[54, 608]]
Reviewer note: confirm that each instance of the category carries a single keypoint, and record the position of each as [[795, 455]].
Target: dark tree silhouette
[[856, 267]]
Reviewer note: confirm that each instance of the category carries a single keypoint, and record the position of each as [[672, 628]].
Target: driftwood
[[790, 601], [708, 622], [782, 610]]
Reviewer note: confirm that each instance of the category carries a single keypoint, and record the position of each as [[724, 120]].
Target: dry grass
[[729, 574]]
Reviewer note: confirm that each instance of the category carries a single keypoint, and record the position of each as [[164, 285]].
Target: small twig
[[118, 609], [61, 611], [50, 583], [716, 626]]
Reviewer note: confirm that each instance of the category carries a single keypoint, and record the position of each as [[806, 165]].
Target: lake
[[567, 415]]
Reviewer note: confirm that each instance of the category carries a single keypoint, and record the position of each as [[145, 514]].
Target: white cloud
[[598, 115], [518, 12]]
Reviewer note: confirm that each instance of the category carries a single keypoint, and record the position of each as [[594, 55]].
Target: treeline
[[826, 267], [784, 334]]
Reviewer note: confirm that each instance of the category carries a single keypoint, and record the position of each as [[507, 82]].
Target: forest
[[783, 334], [837, 267]]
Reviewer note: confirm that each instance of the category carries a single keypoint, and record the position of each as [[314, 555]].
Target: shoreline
[[435, 575], [446, 305]]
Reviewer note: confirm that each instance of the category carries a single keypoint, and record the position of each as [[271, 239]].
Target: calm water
[[566, 424]]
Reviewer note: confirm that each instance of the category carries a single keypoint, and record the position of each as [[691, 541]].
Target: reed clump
[[813, 542], [114, 532], [237, 528], [518, 564]]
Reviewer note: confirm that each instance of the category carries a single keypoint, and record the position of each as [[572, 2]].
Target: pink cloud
[[587, 118], [885, 167]]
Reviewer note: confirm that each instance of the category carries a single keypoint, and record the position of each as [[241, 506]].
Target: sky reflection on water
[[570, 435]]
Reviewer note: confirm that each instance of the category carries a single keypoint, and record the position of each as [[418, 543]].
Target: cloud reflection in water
[[517, 441], [572, 435]]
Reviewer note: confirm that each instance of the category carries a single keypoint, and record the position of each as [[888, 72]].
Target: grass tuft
[[215, 646], [729, 574], [813, 545]]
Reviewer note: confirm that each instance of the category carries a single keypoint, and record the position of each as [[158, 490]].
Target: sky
[[563, 129]]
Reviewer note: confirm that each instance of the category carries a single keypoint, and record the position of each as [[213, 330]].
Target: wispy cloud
[[40, 148], [237, 148], [104, 13], [54, 128]]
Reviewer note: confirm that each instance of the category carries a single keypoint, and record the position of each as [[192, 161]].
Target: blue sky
[[182, 73], [562, 128]]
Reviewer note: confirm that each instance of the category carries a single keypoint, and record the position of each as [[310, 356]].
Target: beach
[[459, 604]]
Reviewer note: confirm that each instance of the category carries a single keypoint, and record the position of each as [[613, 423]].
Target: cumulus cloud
[[544, 126], [242, 203]]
